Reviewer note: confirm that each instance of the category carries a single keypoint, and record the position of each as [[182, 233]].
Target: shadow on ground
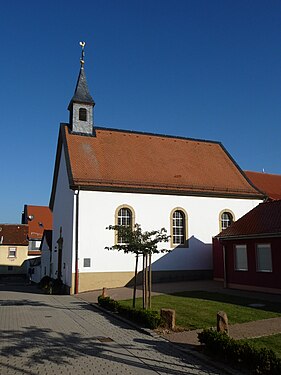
[[39, 346]]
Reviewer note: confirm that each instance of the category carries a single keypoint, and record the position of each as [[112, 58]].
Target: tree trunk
[[146, 282], [143, 281], [135, 281], [149, 282]]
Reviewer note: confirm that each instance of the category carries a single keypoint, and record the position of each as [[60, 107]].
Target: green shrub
[[108, 303], [57, 286], [52, 286], [146, 318], [258, 361], [44, 282]]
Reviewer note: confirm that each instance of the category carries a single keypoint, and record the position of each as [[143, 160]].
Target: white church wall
[[63, 218], [97, 211], [45, 259]]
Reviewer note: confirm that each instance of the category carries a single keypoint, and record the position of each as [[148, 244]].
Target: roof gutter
[[249, 236]]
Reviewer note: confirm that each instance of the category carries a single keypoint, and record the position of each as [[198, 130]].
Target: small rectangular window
[[241, 258], [12, 252], [34, 245], [87, 262], [263, 258]]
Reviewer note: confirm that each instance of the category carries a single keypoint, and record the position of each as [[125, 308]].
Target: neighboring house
[[13, 249], [270, 184], [104, 176], [38, 219], [251, 250]]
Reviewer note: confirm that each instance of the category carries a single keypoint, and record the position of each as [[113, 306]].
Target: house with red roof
[[106, 176], [270, 184], [38, 219], [251, 250], [13, 249]]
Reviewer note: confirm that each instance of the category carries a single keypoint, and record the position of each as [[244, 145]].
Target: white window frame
[[12, 252], [179, 228], [230, 219], [239, 251], [126, 220], [259, 248]]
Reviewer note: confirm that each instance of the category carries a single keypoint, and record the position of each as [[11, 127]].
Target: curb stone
[[208, 361]]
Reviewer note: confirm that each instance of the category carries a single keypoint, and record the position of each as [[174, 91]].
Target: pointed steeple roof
[[82, 94]]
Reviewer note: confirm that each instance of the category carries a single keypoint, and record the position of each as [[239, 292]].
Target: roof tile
[[116, 158], [13, 234], [264, 219], [269, 183], [38, 218]]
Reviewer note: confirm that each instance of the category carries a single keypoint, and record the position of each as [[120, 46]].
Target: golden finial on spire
[[82, 44]]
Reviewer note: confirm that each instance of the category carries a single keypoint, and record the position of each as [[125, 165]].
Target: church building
[[106, 176]]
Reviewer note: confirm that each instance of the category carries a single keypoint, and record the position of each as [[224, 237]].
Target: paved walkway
[[189, 338], [42, 334]]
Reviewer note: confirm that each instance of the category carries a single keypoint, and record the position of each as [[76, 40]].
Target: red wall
[[217, 259], [252, 277]]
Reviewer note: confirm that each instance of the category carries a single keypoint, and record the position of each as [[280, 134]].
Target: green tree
[[140, 243]]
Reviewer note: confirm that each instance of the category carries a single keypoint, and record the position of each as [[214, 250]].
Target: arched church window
[[178, 228], [226, 219], [125, 216]]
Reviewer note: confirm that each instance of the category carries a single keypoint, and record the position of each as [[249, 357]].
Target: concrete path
[[42, 334]]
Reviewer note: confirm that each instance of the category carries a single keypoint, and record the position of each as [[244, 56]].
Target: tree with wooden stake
[[145, 244]]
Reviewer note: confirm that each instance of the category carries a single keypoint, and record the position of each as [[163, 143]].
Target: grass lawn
[[198, 309], [272, 342]]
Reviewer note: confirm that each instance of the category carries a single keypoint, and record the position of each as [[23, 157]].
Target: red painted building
[[247, 254]]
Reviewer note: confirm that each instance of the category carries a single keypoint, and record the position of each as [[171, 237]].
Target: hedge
[[257, 361], [146, 318]]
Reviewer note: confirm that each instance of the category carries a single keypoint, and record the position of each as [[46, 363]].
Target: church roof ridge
[[139, 132]]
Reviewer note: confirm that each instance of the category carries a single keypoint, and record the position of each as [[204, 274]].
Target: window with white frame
[[124, 218], [12, 252], [263, 257], [226, 219], [241, 258], [179, 232]]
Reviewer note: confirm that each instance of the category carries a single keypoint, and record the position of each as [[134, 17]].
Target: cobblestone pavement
[[43, 334]]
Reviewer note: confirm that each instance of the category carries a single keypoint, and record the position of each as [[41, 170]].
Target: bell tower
[[81, 106]]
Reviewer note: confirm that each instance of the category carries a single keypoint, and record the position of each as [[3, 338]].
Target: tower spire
[[82, 104]]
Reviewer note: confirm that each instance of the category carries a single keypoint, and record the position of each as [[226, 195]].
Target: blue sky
[[208, 69]]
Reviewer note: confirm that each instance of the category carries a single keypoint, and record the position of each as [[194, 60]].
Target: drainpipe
[[76, 279]]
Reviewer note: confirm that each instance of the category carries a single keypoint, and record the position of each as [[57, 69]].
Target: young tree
[[134, 240]]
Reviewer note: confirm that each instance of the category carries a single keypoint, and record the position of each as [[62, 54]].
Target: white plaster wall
[[45, 259], [63, 217], [97, 210]]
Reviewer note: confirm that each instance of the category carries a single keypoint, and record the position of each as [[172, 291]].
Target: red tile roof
[[115, 159], [13, 234], [269, 183], [38, 218], [263, 220]]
